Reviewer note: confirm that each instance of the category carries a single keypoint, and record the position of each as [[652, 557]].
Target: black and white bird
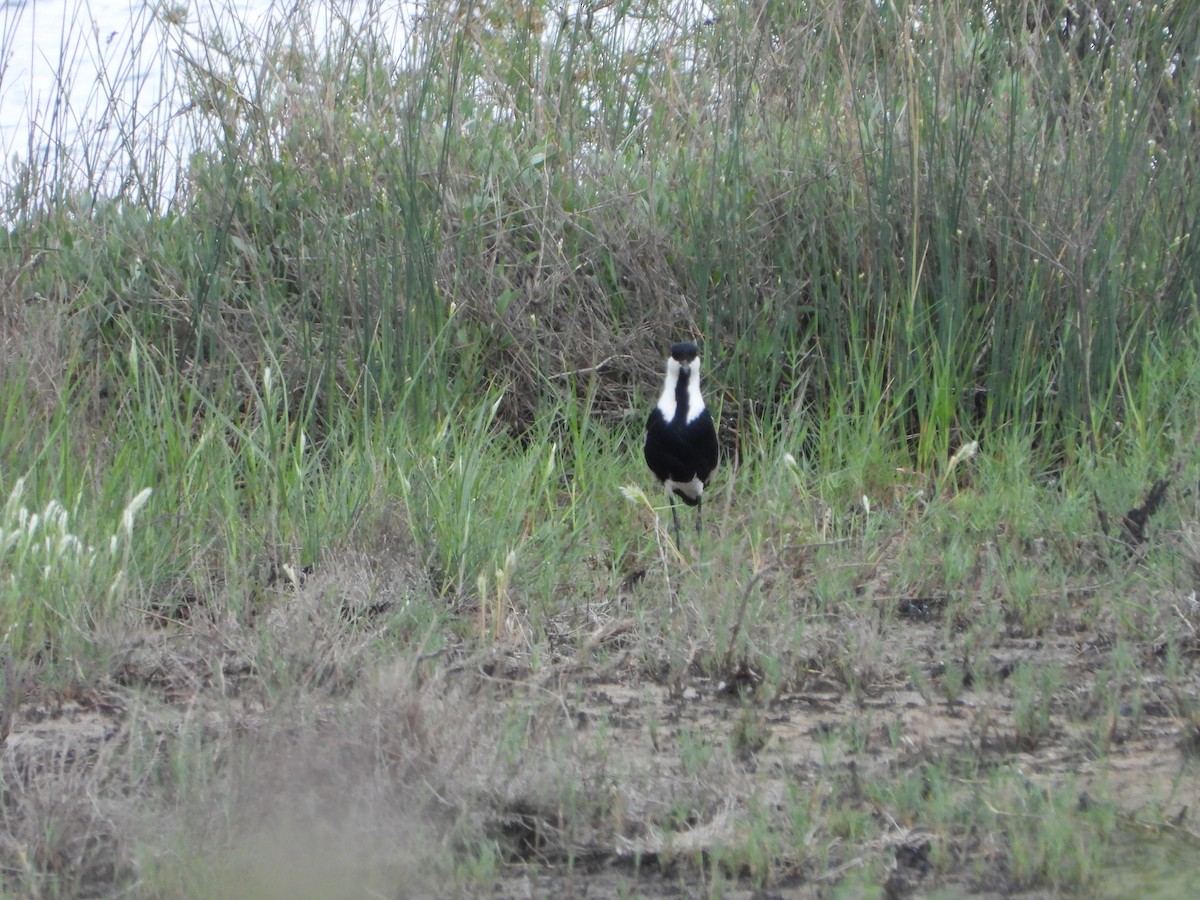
[[681, 440]]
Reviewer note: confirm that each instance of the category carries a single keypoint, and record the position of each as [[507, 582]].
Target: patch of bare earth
[[593, 772], [1144, 768]]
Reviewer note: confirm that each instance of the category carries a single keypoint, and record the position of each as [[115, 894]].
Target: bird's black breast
[[681, 450]]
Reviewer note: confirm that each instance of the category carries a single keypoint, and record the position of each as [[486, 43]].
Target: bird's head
[[684, 354]]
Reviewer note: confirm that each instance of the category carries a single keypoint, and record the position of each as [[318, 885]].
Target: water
[[90, 90], [80, 81], [103, 80]]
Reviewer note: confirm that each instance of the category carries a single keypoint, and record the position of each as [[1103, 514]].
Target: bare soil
[[622, 780]]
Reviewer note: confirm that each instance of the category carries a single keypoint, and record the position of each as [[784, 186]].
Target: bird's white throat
[[695, 402]]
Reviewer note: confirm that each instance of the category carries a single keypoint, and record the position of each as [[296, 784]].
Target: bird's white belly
[[692, 489]]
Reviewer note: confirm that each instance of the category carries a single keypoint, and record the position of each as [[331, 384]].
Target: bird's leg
[[699, 510], [675, 519]]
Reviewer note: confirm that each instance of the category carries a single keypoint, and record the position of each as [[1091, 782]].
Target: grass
[[328, 561]]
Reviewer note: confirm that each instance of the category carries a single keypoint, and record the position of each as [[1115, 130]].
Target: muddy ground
[[662, 768]]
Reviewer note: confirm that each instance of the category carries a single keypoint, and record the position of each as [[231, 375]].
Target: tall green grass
[[955, 221]]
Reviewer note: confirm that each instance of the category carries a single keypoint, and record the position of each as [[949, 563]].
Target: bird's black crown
[[684, 351]]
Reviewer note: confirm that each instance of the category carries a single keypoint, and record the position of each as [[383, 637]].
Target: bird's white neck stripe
[[695, 402], [666, 403]]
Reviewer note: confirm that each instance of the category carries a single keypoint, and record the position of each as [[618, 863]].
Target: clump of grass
[[1034, 693], [1052, 834], [56, 584]]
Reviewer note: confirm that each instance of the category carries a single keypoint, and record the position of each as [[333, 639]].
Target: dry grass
[[333, 741]]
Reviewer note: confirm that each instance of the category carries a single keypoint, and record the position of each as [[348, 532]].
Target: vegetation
[[328, 561]]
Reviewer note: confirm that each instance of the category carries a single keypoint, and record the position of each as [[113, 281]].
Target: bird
[[681, 440]]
